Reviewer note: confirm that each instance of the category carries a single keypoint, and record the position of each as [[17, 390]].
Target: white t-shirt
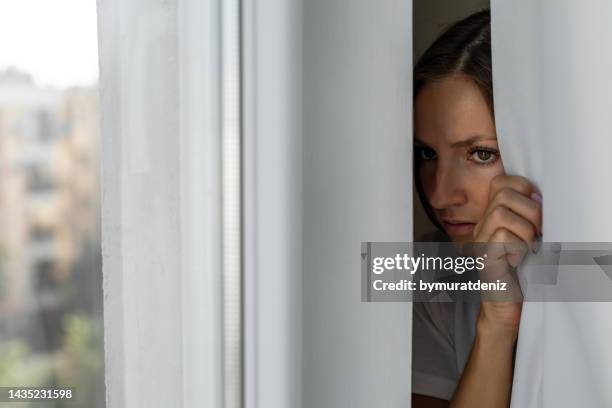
[[442, 337]]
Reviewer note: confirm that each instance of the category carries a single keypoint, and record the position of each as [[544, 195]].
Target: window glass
[[51, 332]]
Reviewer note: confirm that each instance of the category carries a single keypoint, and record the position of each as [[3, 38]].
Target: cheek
[[427, 177], [481, 186]]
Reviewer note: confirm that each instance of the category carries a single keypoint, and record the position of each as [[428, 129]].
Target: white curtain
[[322, 171], [272, 160], [357, 167], [551, 66], [161, 201]]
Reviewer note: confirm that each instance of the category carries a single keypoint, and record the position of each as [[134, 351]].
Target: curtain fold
[[552, 87]]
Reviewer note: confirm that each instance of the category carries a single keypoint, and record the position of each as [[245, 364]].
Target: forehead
[[451, 110]]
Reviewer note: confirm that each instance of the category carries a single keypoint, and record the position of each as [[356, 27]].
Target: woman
[[463, 353]]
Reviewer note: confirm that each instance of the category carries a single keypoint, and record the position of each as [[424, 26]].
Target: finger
[[502, 242], [502, 217], [499, 270], [517, 183], [523, 206], [513, 245], [503, 182]]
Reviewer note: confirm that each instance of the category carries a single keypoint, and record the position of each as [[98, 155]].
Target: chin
[[462, 239]]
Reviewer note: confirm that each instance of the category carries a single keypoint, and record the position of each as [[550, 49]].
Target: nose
[[449, 189]]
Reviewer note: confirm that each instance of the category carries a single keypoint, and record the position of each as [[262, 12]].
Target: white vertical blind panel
[[552, 64], [161, 202], [357, 172]]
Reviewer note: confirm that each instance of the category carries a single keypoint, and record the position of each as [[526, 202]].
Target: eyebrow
[[462, 143]]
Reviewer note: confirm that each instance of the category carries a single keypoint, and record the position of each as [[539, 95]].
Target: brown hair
[[463, 49]]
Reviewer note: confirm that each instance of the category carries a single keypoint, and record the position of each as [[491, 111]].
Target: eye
[[483, 155], [426, 153]]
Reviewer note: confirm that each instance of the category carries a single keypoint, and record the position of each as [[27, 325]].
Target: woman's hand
[[512, 226]]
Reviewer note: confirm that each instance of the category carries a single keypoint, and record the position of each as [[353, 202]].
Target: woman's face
[[457, 153]]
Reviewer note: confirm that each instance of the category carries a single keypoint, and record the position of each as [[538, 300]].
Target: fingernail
[[536, 197], [536, 246]]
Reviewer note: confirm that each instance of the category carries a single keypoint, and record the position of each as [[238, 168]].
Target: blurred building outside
[[50, 260]]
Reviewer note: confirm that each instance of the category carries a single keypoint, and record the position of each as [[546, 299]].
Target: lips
[[458, 227]]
